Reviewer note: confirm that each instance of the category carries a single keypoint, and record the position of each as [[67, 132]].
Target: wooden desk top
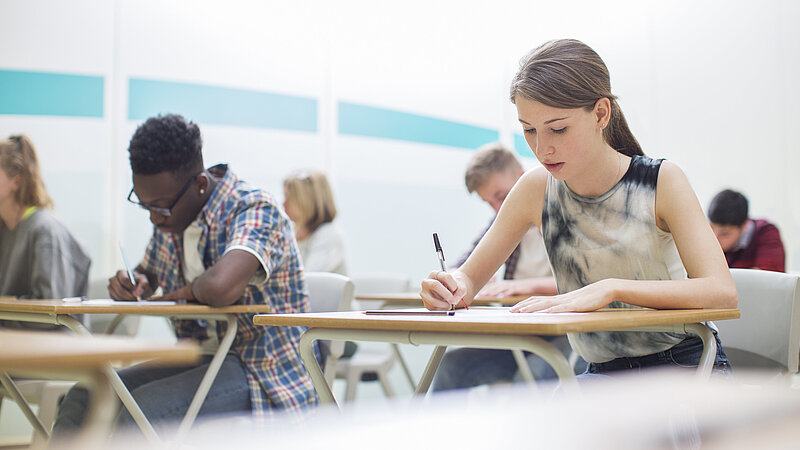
[[61, 307], [414, 298], [44, 350], [499, 320]]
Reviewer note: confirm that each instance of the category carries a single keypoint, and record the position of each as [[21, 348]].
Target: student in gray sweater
[[39, 257]]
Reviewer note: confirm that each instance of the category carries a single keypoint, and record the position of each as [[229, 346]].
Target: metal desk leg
[[524, 368], [312, 365], [403, 365], [114, 324], [430, 369], [209, 376], [116, 383], [102, 410], [709, 356], [533, 344], [16, 395]]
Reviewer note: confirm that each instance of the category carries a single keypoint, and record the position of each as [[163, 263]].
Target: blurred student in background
[[747, 243], [308, 201], [39, 257], [491, 173]]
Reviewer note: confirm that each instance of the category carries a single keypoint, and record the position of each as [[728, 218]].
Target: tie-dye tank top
[[611, 236]]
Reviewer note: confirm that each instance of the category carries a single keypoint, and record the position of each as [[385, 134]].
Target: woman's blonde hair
[[567, 73], [311, 198], [18, 157]]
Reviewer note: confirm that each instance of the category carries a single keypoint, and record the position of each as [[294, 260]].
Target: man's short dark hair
[[167, 143], [728, 208]]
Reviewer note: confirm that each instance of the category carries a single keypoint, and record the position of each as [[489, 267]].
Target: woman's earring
[[202, 191]]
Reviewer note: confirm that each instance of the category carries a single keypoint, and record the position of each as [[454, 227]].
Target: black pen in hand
[[440, 253]]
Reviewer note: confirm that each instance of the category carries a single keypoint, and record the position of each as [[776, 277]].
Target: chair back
[[379, 283], [768, 332], [329, 291]]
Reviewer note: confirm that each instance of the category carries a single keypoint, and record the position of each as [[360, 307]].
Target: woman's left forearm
[[675, 294]]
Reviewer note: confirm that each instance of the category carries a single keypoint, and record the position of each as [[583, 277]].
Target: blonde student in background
[[622, 230], [39, 257], [309, 203]]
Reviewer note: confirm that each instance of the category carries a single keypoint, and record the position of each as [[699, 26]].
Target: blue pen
[[128, 268]]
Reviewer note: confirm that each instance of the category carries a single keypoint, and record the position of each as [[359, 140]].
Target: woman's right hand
[[442, 289], [121, 288]]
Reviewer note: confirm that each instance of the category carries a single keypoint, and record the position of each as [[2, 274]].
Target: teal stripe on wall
[[50, 94], [361, 120], [220, 105], [521, 146]]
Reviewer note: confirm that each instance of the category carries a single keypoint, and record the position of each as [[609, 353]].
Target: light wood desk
[[412, 299], [490, 328], [57, 355], [60, 312]]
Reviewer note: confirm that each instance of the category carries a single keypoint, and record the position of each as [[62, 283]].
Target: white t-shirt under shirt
[[533, 262], [193, 267], [324, 250]]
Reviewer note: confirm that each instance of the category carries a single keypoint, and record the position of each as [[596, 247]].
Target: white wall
[[705, 84]]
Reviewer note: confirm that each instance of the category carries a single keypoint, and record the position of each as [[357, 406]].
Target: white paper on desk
[[108, 301], [478, 312]]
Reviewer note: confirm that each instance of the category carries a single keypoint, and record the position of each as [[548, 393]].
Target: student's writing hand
[[442, 289], [587, 298], [121, 288]]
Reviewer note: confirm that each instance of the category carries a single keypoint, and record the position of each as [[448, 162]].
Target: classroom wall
[[391, 100]]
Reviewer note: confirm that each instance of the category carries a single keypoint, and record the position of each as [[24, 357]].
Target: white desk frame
[[116, 383], [488, 333]]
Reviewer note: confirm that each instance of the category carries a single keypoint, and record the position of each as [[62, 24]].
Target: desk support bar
[[312, 365], [116, 383], [530, 343], [403, 365], [210, 375], [430, 370], [709, 356], [533, 344], [13, 391]]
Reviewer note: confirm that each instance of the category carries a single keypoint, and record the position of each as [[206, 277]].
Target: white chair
[[768, 333], [329, 292], [377, 361]]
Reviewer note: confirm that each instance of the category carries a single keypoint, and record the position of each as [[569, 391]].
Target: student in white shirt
[[310, 205]]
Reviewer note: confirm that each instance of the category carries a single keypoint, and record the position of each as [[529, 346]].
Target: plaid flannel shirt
[[238, 216]]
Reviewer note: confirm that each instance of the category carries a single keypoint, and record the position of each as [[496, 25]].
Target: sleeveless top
[[611, 236]]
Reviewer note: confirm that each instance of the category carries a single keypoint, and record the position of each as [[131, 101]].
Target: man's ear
[[203, 182]]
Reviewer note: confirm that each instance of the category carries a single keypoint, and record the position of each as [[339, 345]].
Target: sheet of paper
[[108, 301]]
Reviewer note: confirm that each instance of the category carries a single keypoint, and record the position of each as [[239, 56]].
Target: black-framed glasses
[[160, 210]]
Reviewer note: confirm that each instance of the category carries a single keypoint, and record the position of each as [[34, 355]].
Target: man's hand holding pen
[[120, 286]]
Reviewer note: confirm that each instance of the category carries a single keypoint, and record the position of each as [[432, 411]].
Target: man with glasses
[[219, 242]]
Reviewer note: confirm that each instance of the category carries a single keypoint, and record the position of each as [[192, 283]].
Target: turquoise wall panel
[[50, 94]]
